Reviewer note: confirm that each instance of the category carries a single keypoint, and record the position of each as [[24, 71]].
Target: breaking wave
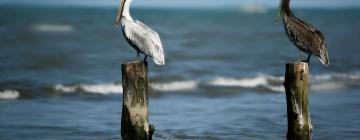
[[175, 86], [324, 82], [247, 82], [328, 82], [97, 89], [262, 82], [116, 88], [9, 95]]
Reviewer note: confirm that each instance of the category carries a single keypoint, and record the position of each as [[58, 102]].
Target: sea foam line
[[246, 82], [113, 88], [95, 88], [175, 86], [259, 82], [9, 95]]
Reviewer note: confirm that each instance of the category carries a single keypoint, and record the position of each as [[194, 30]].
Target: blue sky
[[191, 3]]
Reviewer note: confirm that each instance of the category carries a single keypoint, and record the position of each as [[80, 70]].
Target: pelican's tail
[[159, 61], [324, 56], [159, 58]]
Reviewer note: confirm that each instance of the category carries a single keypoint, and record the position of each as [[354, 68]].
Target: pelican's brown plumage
[[304, 36]]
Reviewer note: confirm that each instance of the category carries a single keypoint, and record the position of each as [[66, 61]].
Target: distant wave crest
[[52, 28], [324, 82], [175, 86], [116, 88], [329, 82], [261, 82], [254, 8], [95, 88], [267, 82], [246, 82], [9, 94]]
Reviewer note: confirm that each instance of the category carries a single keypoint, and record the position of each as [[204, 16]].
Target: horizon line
[[178, 7]]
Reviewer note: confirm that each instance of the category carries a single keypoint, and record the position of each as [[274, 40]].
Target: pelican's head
[[280, 13], [120, 12]]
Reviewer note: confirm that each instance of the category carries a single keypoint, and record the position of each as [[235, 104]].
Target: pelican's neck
[[126, 11], [286, 8]]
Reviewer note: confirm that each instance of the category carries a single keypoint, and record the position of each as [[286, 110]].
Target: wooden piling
[[296, 86], [134, 120]]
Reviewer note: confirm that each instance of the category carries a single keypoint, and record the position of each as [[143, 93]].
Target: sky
[[190, 3]]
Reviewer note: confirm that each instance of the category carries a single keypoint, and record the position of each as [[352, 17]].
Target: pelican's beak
[[119, 14], [280, 12]]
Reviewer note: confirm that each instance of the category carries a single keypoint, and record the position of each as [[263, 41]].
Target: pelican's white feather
[[144, 39]]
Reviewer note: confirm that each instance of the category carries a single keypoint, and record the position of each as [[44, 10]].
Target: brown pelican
[[142, 38], [304, 36]]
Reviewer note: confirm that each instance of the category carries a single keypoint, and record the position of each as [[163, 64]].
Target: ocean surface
[[60, 74]]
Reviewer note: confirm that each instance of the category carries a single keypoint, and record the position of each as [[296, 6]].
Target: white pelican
[[304, 36], [142, 38]]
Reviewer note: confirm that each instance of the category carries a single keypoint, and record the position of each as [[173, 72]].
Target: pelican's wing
[[321, 36], [318, 39], [145, 39], [308, 39], [155, 36], [305, 25], [301, 34]]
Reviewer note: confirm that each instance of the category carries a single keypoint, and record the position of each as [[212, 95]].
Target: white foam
[[275, 78], [97, 89], [117, 88], [9, 94], [327, 86], [353, 76], [324, 77], [273, 83], [276, 88], [247, 83], [175, 86], [260, 81], [328, 77], [52, 28]]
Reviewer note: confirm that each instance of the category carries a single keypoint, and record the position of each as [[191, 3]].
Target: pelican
[[142, 38], [304, 36]]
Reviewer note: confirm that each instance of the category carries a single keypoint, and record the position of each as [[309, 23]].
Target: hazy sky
[[190, 3]]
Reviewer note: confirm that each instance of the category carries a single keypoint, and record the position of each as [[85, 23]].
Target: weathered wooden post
[[134, 120], [296, 86]]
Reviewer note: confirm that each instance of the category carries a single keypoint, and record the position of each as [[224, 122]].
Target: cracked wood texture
[[296, 86], [134, 120]]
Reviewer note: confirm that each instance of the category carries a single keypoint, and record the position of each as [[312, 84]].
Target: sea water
[[60, 74]]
